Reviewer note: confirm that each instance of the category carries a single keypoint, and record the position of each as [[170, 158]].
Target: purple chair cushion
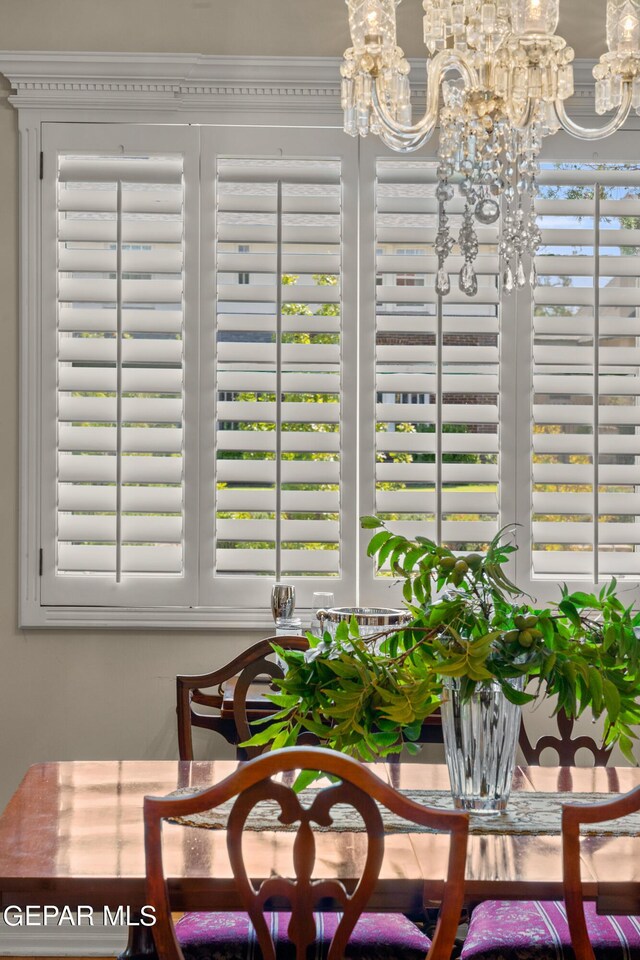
[[230, 936], [536, 930]]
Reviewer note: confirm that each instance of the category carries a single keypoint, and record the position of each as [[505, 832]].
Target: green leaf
[[280, 740], [412, 557], [518, 697], [376, 542], [407, 591], [387, 549], [413, 731], [305, 778], [421, 589], [266, 735], [611, 699], [626, 746], [565, 606], [370, 523], [384, 739], [316, 728], [341, 667], [584, 599], [596, 688]]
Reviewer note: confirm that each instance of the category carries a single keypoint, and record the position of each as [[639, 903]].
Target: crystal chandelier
[[504, 75]]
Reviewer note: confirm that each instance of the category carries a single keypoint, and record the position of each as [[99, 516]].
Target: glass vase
[[480, 739]]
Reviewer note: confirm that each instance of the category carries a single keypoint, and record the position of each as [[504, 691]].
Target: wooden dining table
[[73, 834]]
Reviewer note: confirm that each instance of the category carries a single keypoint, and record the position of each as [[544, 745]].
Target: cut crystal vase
[[480, 740]]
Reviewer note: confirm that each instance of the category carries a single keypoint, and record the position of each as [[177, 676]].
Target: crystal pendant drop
[[487, 211], [507, 280], [468, 280], [520, 277], [444, 192], [443, 284], [533, 276]]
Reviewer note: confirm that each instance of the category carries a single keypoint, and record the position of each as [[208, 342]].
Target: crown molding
[[184, 82], [171, 82]]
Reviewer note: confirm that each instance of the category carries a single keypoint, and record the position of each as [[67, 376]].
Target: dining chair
[[237, 675], [550, 930], [565, 745], [349, 931]]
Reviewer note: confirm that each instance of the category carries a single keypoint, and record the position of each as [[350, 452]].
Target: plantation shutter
[[119, 403], [283, 477], [437, 380], [586, 414]]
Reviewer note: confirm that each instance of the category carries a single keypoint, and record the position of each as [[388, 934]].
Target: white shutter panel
[[120, 363], [278, 368], [586, 415], [436, 375]]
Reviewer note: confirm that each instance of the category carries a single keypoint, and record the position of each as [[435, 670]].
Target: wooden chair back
[[572, 817], [244, 670], [356, 786], [565, 745]]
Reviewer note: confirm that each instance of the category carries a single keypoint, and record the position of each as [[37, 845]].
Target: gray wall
[[73, 695]]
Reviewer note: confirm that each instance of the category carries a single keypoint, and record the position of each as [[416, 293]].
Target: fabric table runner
[[527, 814]]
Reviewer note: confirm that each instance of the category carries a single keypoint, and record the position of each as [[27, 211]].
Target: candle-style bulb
[[535, 16], [372, 18], [623, 26]]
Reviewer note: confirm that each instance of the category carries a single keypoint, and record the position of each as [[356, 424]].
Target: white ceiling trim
[[307, 87]]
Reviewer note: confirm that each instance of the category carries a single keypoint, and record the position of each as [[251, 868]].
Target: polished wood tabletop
[[73, 834]]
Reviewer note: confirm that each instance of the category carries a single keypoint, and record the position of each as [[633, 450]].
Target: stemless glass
[[283, 601], [319, 601]]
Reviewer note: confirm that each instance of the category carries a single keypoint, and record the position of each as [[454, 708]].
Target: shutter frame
[[65, 577], [605, 387]]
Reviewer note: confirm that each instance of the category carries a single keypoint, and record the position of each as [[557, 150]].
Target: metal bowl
[[380, 617]]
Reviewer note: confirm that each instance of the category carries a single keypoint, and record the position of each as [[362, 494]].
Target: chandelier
[[504, 75]]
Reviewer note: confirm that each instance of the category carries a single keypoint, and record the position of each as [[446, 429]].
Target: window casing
[[458, 499]]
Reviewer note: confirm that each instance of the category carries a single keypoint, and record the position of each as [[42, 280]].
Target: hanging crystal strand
[[468, 241], [444, 241], [507, 242], [531, 235], [534, 235]]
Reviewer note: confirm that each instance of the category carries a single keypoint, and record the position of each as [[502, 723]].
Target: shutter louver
[[586, 415], [278, 367], [120, 365], [436, 376]]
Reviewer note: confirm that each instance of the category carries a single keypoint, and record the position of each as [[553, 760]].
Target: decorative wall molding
[[166, 82], [306, 87]]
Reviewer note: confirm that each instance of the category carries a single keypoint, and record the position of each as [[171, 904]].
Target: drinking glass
[[320, 601], [283, 601]]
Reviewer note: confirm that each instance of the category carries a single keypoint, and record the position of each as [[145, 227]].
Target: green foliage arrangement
[[369, 697]]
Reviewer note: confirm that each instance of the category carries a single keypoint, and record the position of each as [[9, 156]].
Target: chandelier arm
[[403, 146], [437, 67], [520, 121], [595, 133]]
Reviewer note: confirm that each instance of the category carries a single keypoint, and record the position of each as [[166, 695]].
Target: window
[[586, 376], [436, 372], [243, 351], [197, 446], [278, 351], [114, 441]]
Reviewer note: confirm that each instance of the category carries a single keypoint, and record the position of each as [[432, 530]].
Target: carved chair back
[[572, 817], [241, 672], [565, 745], [356, 786]]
